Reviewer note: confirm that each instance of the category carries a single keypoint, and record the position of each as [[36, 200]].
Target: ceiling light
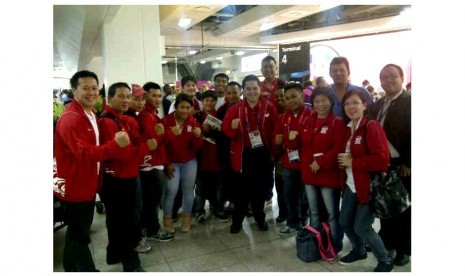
[[219, 58], [267, 25], [202, 61], [275, 50], [192, 52], [164, 61], [202, 8], [184, 22], [240, 53]]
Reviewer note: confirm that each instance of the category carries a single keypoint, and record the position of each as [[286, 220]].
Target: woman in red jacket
[[184, 139], [319, 145], [365, 150]]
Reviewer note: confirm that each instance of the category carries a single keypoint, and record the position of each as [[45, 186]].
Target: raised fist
[[122, 139], [159, 129], [278, 140], [152, 143], [292, 135], [197, 131], [235, 123], [176, 130]]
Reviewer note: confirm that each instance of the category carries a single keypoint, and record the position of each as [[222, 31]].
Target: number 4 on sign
[[284, 60]]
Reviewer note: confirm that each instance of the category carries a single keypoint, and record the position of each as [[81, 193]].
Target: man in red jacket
[[78, 155], [120, 179], [249, 124]]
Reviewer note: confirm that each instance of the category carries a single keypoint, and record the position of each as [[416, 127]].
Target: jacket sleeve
[[329, 159], [377, 157], [74, 132], [147, 125], [226, 125], [197, 142]]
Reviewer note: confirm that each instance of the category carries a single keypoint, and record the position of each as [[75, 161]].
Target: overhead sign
[[294, 61]]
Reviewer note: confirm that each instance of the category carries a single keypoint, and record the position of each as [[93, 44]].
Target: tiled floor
[[210, 247]]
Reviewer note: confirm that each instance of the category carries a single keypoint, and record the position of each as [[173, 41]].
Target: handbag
[[388, 194], [313, 245]]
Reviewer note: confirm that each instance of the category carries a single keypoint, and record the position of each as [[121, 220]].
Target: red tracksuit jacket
[[148, 119]]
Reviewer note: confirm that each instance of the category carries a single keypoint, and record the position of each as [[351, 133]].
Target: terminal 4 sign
[[294, 61]]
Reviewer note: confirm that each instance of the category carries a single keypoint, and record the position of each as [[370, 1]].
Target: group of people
[[233, 152]]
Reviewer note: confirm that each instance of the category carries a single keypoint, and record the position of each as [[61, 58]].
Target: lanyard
[[247, 117]]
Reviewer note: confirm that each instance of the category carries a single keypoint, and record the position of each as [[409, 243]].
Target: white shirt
[[93, 121], [350, 176], [382, 115], [219, 102]]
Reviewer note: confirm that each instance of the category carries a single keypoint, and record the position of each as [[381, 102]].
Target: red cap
[[137, 90]]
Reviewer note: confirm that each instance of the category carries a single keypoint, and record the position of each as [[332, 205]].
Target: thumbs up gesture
[[176, 130], [159, 129]]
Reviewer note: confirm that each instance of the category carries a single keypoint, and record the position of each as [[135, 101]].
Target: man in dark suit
[[393, 111]]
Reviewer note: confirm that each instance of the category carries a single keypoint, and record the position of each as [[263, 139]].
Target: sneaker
[[384, 267], [401, 259], [286, 230], [138, 269], [142, 247], [352, 257], [234, 229], [200, 218], [228, 210], [268, 202], [280, 219], [263, 226], [161, 236], [221, 216]]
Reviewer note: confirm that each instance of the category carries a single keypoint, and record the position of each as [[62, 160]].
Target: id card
[[255, 139], [293, 156]]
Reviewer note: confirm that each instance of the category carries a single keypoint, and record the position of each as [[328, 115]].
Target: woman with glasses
[[364, 150]]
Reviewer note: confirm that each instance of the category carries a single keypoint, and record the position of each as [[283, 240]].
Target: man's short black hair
[[116, 85], [250, 78], [151, 85], [186, 79], [221, 75], [74, 81], [294, 85], [181, 97], [209, 94], [269, 58], [234, 83]]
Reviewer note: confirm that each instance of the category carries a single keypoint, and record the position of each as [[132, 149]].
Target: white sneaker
[[286, 230], [142, 247]]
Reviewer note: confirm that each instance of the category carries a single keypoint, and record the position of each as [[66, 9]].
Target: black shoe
[[401, 259], [263, 226], [384, 267], [368, 248], [234, 229], [221, 216], [280, 219], [352, 257]]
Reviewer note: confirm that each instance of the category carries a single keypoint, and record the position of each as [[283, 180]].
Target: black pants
[[278, 178], [119, 197], [208, 188], [153, 184], [252, 187], [396, 232], [76, 256]]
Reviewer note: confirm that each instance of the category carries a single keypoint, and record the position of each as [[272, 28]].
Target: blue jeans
[[331, 199], [293, 191], [184, 176], [356, 220]]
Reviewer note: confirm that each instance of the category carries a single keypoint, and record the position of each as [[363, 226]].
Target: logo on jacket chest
[[189, 128], [358, 140], [324, 130]]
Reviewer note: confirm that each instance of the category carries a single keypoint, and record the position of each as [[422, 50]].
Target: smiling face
[[280, 98], [137, 103], [391, 80], [322, 106], [208, 104], [252, 91], [295, 99], [155, 98], [86, 93], [354, 107], [339, 73], [220, 86], [190, 89], [183, 110], [120, 102], [268, 69], [233, 94]]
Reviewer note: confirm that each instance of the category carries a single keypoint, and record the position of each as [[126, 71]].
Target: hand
[[235, 123], [293, 134], [278, 140], [315, 167], [206, 128], [122, 139], [176, 130], [344, 160], [152, 143], [405, 171], [159, 129], [169, 171], [197, 131]]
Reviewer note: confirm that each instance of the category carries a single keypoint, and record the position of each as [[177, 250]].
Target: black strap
[[108, 115]]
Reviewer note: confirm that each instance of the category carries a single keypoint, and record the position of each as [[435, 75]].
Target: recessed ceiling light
[[219, 58], [164, 61], [267, 25], [240, 53], [202, 8], [192, 52], [169, 29], [184, 22], [202, 61]]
